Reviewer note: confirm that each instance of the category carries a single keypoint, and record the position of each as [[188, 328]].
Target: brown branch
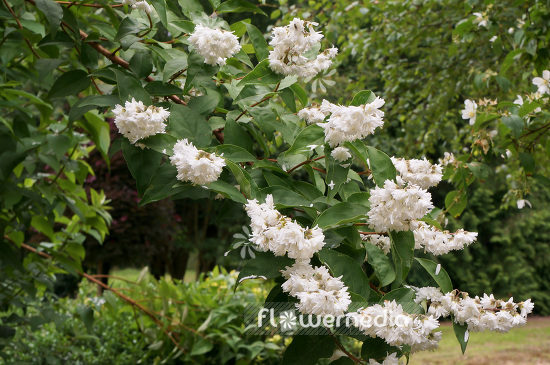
[[71, 3], [361, 232], [259, 102], [318, 169], [303, 163], [348, 354]]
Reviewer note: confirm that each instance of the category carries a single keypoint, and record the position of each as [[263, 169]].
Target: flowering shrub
[[211, 111]]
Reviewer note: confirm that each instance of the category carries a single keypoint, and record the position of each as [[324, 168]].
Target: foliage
[[96, 330], [240, 114]]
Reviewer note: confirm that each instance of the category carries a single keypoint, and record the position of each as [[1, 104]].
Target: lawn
[[525, 345]]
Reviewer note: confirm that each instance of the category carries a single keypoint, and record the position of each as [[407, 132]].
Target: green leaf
[[86, 315], [99, 133], [262, 74], [442, 278], [528, 107], [174, 66], [201, 346], [381, 264], [514, 123], [160, 7], [352, 273], [162, 184], [227, 190], [344, 360], [142, 164], [195, 64], [460, 333], [455, 202], [187, 123], [381, 166], [128, 26], [41, 224], [265, 265], [162, 142], [235, 134], [336, 174], [377, 349], [307, 350], [53, 12], [402, 250], [527, 162], [509, 60], [242, 178], [363, 97], [159, 88], [300, 94], [341, 213], [205, 104], [238, 6], [258, 41], [311, 135], [70, 83], [234, 153], [130, 88], [142, 65]]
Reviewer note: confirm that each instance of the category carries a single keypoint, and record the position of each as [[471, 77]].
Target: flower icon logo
[[287, 320]]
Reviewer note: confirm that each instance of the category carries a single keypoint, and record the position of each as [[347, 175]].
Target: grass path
[[521, 346]]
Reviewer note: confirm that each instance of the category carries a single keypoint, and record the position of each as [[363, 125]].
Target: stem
[[361, 232], [71, 3], [305, 162], [177, 74], [348, 354], [259, 102]]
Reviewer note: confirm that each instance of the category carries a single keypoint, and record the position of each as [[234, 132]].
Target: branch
[[303, 163], [21, 27], [348, 354]]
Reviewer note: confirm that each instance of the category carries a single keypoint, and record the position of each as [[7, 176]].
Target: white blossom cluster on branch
[[391, 359], [140, 5], [479, 314], [194, 165], [439, 242], [346, 123], [380, 241], [291, 42], [396, 208], [418, 172], [136, 121], [279, 234], [397, 327], [319, 292], [215, 45]]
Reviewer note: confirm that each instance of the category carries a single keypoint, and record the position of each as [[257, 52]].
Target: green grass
[[524, 345]]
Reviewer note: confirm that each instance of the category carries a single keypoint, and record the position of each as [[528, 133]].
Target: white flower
[[522, 202], [441, 242], [346, 123], [136, 121], [215, 45], [196, 165], [481, 20], [389, 360], [143, 5], [493, 38], [418, 172], [382, 242], [469, 111], [340, 154], [448, 159], [395, 208], [319, 292], [289, 45], [281, 235], [543, 82]]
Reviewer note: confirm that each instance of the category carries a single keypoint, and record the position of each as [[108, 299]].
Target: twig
[[21, 27], [303, 163], [259, 102]]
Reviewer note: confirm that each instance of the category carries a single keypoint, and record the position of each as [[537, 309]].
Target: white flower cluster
[[469, 112], [448, 159], [140, 5], [346, 123], [418, 172], [289, 45], [281, 235], [340, 154], [479, 314], [543, 83], [396, 208], [195, 165], [398, 327], [440, 242], [382, 242], [215, 45], [137, 121], [391, 359], [319, 292]]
